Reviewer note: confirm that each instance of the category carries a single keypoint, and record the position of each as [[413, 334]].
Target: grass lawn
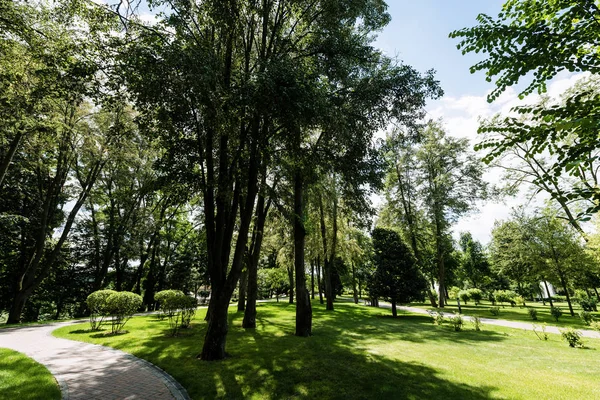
[[23, 378], [361, 352], [519, 313]]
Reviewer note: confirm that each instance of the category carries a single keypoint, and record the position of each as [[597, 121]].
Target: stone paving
[[88, 371]]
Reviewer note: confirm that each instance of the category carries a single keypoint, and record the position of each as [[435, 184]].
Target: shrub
[[532, 313], [556, 312], [464, 296], [519, 300], [476, 320], [453, 292], [96, 303], [189, 305], [572, 337], [492, 298], [476, 295], [166, 302], [586, 302], [495, 310], [179, 308], [457, 322], [437, 316], [121, 306], [586, 317], [595, 325], [505, 296], [541, 335]]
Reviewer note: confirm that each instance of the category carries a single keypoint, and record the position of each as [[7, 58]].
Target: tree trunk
[[12, 149], [394, 310], [597, 294], [303, 306], [548, 292], [261, 217], [312, 279], [291, 282], [216, 334], [327, 260], [16, 309], [319, 282], [563, 282], [354, 291], [440, 262], [242, 290]]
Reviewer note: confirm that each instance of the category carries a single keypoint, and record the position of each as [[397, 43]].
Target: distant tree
[[511, 255], [396, 277], [474, 264], [450, 183]]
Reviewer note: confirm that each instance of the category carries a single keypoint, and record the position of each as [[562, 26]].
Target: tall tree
[[451, 182]]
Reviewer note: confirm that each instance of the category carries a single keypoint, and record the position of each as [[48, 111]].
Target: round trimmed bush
[[121, 306], [96, 303]]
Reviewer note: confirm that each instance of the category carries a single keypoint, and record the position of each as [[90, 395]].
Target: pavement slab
[[89, 371]]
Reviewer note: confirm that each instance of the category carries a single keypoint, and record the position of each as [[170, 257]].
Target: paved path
[[89, 371], [499, 322]]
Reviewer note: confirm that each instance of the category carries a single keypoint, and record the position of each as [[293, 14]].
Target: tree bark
[[303, 306], [354, 291], [242, 290], [216, 334], [319, 282], [312, 279], [261, 217], [12, 149], [290, 271], [394, 310], [563, 282], [548, 292]]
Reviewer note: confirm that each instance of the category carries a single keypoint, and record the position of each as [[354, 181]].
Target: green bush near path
[[361, 352], [22, 378]]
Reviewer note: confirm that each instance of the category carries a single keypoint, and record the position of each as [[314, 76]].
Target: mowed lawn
[[519, 313], [359, 352], [22, 378]]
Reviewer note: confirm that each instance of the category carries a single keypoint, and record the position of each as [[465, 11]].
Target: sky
[[418, 36]]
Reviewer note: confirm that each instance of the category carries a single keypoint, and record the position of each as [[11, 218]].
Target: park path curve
[[499, 322], [89, 371]]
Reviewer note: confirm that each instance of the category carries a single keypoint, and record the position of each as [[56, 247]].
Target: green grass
[[519, 313], [23, 378], [361, 352]]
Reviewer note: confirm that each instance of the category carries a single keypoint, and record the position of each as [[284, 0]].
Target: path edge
[[177, 391]]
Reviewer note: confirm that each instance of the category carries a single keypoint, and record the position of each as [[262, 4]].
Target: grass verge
[[23, 378], [360, 352], [519, 313]]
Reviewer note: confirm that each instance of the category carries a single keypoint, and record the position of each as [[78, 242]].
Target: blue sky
[[418, 35]]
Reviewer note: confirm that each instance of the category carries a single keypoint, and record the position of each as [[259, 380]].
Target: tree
[[539, 39], [560, 248], [474, 264], [511, 255], [450, 183], [396, 277]]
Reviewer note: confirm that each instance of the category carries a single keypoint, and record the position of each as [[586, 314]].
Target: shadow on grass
[[270, 362]]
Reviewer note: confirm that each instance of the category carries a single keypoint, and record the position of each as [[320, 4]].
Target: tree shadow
[[270, 362]]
